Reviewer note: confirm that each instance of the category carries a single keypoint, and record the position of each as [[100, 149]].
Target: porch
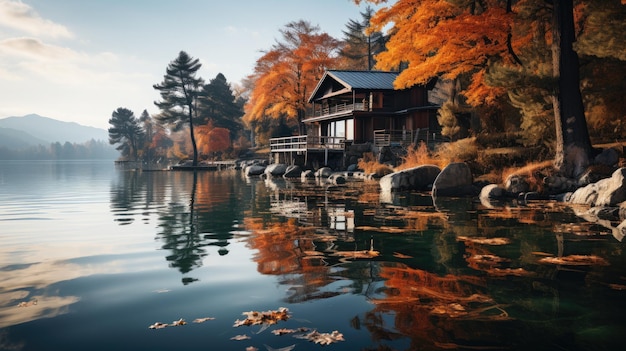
[[405, 138]]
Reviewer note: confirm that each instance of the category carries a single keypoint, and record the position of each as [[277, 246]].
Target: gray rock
[[275, 170], [454, 180], [293, 171], [254, 170], [337, 178], [516, 184], [606, 192], [417, 178], [608, 157], [308, 174], [323, 172]]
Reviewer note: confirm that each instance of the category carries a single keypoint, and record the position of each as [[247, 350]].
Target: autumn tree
[[285, 75], [125, 131], [180, 91], [212, 139], [361, 45], [467, 38]]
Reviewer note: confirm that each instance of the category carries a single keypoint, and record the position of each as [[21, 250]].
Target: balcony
[[320, 112], [406, 137], [304, 143]]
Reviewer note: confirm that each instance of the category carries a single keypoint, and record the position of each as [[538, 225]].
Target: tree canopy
[[285, 75], [180, 91], [125, 131]]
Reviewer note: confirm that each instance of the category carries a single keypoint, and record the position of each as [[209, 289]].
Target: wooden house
[[362, 107]]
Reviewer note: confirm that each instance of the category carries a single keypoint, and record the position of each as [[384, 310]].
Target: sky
[[79, 60]]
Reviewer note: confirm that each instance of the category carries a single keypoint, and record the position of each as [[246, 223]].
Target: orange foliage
[[285, 76], [440, 39], [212, 139]]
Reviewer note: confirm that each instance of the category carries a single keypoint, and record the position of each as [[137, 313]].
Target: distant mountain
[[51, 130], [17, 139]]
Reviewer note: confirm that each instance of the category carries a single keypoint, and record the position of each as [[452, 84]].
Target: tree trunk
[[193, 138], [573, 146]]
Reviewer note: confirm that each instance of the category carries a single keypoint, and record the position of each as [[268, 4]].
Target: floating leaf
[[251, 348], [266, 317], [178, 322], [576, 260], [202, 320], [240, 337], [485, 241], [322, 338], [400, 255], [158, 325]]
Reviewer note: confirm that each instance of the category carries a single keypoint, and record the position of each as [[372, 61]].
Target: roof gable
[[336, 82]]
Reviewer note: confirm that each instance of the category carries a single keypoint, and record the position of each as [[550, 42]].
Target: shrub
[[369, 165]]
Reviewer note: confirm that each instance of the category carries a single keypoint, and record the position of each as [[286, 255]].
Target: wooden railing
[[304, 142], [406, 137], [343, 107]]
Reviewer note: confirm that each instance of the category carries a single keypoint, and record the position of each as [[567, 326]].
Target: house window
[[337, 129], [350, 129]]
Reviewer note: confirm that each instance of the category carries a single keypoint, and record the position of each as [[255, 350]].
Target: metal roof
[[354, 80], [365, 79]]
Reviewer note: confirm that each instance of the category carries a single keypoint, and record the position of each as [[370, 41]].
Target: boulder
[[516, 183], [293, 171], [455, 180], [323, 172], [417, 178], [254, 170], [275, 170], [308, 174], [489, 193], [337, 178], [606, 192]]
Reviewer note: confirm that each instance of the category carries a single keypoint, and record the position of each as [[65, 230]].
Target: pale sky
[[79, 60]]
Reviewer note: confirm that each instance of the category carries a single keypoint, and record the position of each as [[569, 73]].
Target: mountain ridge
[[36, 129]]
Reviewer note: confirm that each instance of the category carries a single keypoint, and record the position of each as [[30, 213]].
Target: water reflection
[[453, 273], [438, 273], [193, 210]]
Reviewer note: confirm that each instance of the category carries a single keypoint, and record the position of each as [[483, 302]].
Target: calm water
[[91, 256]]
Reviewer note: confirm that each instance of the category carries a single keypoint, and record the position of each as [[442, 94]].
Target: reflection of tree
[[435, 311], [179, 231], [125, 197]]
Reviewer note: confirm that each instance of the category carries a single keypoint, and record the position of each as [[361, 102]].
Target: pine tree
[[180, 91], [126, 131]]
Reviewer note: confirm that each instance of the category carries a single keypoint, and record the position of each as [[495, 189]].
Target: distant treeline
[[92, 149]]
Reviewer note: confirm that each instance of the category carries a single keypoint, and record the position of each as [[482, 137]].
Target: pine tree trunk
[[573, 146], [193, 139]]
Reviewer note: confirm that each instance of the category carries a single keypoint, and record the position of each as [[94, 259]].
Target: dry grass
[[419, 156], [370, 165]]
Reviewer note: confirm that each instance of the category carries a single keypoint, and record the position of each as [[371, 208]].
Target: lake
[[92, 257]]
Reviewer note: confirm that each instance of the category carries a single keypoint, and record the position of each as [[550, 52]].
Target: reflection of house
[[359, 107]]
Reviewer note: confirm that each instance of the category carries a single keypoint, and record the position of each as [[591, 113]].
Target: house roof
[[336, 82]]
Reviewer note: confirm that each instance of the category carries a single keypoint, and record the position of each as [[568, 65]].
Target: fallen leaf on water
[[251, 348], [202, 320], [400, 255], [240, 337], [322, 338], [266, 317], [576, 260], [485, 241], [500, 272], [158, 325], [178, 322]]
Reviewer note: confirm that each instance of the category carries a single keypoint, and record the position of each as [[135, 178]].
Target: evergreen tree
[[126, 131], [218, 104], [360, 45], [180, 92]]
